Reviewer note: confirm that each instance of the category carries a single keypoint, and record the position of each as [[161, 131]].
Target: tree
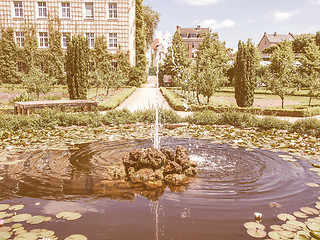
[[212, 65], [30, 53], [282, 71], [301, 41], [77, 66], [176, 59], [8, 57], [151, 19], [141, 62], [317, 39], [37, 81], [245, 78], [310, 69]]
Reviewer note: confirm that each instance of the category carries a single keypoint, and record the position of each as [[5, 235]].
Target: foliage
[[77, 67], [301, 41], [30, 53], [282, 71], [175, 101], [270, 49], [141, 62], [36, 81], [310, 69], [307, 126], [135, 77], [116, 100], [212, 65], [317, 39], [8, 57], [151, 19], [176, 59], [246, 65], [24, 97]]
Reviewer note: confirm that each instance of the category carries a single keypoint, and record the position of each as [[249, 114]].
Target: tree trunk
[[282, 102], [208, 100], [198, 98], [97, 92], [310, 100]]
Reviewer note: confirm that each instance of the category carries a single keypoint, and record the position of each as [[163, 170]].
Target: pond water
[[230, 186]]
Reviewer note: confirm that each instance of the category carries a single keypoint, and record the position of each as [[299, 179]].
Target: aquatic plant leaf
[[286, 216], [5, 229], [36, 220], [253, 225], [309, 210], [313, 226], [297, 223], [76, 237], [315, 234], [21, 217], [289, 227], [300, 215], [257, 233], [69, 215], [16, 207], [276, 205], [5, 235], [4, 207], [16, 225], [286, 234], [301, 237], [1, 178], [313, 185], [274, 235], [276, 227], [46, 233], [27, 236]]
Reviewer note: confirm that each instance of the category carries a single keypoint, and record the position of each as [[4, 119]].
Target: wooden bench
[[25, 107]]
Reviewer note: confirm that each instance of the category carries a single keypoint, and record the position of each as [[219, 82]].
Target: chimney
[[198, 27], [178, 27], [265, 33], [275, 34]]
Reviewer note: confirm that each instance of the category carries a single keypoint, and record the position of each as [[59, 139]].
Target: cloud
[[282, 16], [317, 2], [199, 2], [215, 25]]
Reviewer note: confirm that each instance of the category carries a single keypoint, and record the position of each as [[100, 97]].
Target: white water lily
[[1, 222]]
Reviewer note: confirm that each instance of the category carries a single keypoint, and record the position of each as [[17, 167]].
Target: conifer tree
[[77, 66], [8, 57], [245, 73]]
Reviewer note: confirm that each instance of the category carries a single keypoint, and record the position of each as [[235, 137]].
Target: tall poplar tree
[[245, 73], [77, 66], [8, 57], [141, 61]]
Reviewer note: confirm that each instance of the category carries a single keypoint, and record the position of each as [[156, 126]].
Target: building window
[[65, 10], [89, 13], [192, 35], [21, 67], [43, 40], [193, 45], [65, 39], [114, 65], [113, 40], [18, 9], [113, 10], [90, 37], [20, 39], [42, 9]]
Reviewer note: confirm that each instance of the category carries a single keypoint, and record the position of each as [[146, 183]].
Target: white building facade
[[114, 19]]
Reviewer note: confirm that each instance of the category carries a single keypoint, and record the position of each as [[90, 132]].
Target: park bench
[[25, 107]]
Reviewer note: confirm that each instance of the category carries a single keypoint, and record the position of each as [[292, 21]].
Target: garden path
[[145, 97]]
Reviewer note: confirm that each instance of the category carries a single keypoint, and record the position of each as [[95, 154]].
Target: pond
[[231, 185]]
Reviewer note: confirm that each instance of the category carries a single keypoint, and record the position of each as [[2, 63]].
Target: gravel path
[[145, 97]]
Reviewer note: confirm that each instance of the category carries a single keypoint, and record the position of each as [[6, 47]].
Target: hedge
[[116, 100]]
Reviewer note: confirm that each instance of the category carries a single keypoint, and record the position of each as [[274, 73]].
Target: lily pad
[[4, 207], [21, 217], [76, 237], [256, 233], [36, 220], [286, 216], [17, 225], [27, 236], [5, 235], [16, 207], [46, 233], [5, 229], [313, 185], [289, 227], [276, 227], [275, 235], [296, 223], [309, 210], [253, 225], [313, 226], [1, 178], [286, 234], [69, 215], [300, 215]]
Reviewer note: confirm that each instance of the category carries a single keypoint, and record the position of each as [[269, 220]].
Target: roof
[[277, 38], [155, 43], [198, 30]]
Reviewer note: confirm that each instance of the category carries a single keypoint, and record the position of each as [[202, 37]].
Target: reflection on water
[[230, 186]]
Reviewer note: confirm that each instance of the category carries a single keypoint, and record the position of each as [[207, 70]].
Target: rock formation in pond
[[153, 168]]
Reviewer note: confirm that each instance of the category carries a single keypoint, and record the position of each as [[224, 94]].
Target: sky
[[236, 20]]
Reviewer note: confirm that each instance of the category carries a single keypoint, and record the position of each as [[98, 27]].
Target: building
[[114, 19], [192, 37], [273, 39], [157, 52]]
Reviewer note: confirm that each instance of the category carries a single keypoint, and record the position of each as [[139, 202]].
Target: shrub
[[238, 119], [24, 97], [309, 126], [118, 117], [203, 118], [116, 100], [269, 122], [174, 100]]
